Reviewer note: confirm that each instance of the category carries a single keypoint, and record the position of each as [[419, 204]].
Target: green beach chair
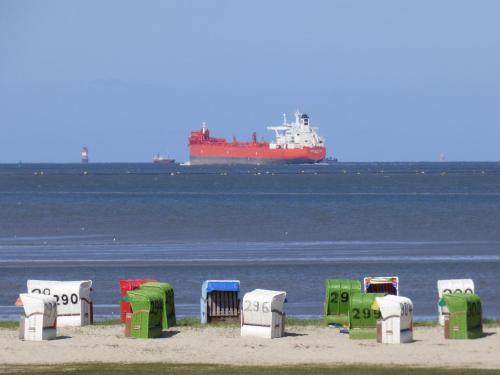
[[147, 313], [462, 315], [338, 293], [168, 319], [363, 317]]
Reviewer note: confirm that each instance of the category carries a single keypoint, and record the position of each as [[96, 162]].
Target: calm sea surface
[[285, 228]]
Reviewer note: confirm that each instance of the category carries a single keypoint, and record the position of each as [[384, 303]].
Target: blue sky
[[384, 80]]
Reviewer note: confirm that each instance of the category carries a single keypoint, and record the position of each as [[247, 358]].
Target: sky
[[383, 80]]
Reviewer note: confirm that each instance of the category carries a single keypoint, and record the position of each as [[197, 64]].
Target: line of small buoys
[[38, 173]]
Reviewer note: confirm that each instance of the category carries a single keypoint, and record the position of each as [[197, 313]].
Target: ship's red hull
[[253, 153]]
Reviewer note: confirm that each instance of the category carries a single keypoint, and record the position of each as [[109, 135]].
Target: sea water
[[272, 227]]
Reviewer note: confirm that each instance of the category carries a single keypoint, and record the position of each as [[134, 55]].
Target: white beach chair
[[396, 323], [74, 302], [39, 321], [263, 314], [452, 286]]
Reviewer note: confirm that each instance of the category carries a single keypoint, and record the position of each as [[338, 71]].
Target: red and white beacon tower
[[85, 155]]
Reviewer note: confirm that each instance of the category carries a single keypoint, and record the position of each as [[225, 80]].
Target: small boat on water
[[331, 160], [158, 159]]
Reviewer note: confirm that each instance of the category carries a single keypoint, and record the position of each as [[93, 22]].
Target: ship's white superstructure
[[298, 134]]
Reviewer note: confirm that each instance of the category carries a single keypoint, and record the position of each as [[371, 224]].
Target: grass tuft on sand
[[9, 324]]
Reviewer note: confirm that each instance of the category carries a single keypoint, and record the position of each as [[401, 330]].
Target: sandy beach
[[223, 345]]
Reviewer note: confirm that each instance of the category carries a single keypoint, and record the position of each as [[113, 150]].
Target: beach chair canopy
[[209, 286], [455, 286], [385, 284], [131, 284], [396, 306], [39, 304]]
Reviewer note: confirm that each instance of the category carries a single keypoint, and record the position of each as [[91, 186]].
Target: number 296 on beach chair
[[263, 314]]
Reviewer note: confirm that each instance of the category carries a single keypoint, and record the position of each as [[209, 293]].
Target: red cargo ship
[[296, 143]]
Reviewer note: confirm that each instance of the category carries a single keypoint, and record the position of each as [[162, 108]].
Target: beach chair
[[74, 301], [395, 325], [167, 291], [386, 285], [337, 297], [145, 320], [263, 314], [363, 317], [125, 286], [39, 321], [219, 301], [463, 317], [452, 286]]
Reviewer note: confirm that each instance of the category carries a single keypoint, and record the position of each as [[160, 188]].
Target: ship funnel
[[305, 118]]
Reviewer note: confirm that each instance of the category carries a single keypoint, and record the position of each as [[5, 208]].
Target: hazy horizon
[[383, 81]]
